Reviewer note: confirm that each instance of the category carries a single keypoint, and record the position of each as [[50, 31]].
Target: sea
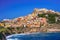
[[35, 36]]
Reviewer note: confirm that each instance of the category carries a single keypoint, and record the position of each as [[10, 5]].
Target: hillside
[[40, 20]]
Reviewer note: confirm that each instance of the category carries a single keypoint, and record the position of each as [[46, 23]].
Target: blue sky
[[16, 8]]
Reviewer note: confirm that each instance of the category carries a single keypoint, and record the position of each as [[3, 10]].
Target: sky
[[10, 9]]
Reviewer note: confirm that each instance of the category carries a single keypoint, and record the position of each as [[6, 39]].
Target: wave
[[22, 34], [33, 34]]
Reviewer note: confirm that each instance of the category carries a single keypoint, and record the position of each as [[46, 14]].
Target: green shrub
[[2, 29], [51, 18], [41, 15]]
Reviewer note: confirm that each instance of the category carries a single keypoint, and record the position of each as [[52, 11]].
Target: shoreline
[[39, 33]]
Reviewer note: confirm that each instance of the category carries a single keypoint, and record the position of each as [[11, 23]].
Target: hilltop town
[[40, 20]]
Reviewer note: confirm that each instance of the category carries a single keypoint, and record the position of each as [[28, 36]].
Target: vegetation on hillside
[[50, 16]]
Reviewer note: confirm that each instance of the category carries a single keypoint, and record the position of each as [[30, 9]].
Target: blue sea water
[[35, 36]]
